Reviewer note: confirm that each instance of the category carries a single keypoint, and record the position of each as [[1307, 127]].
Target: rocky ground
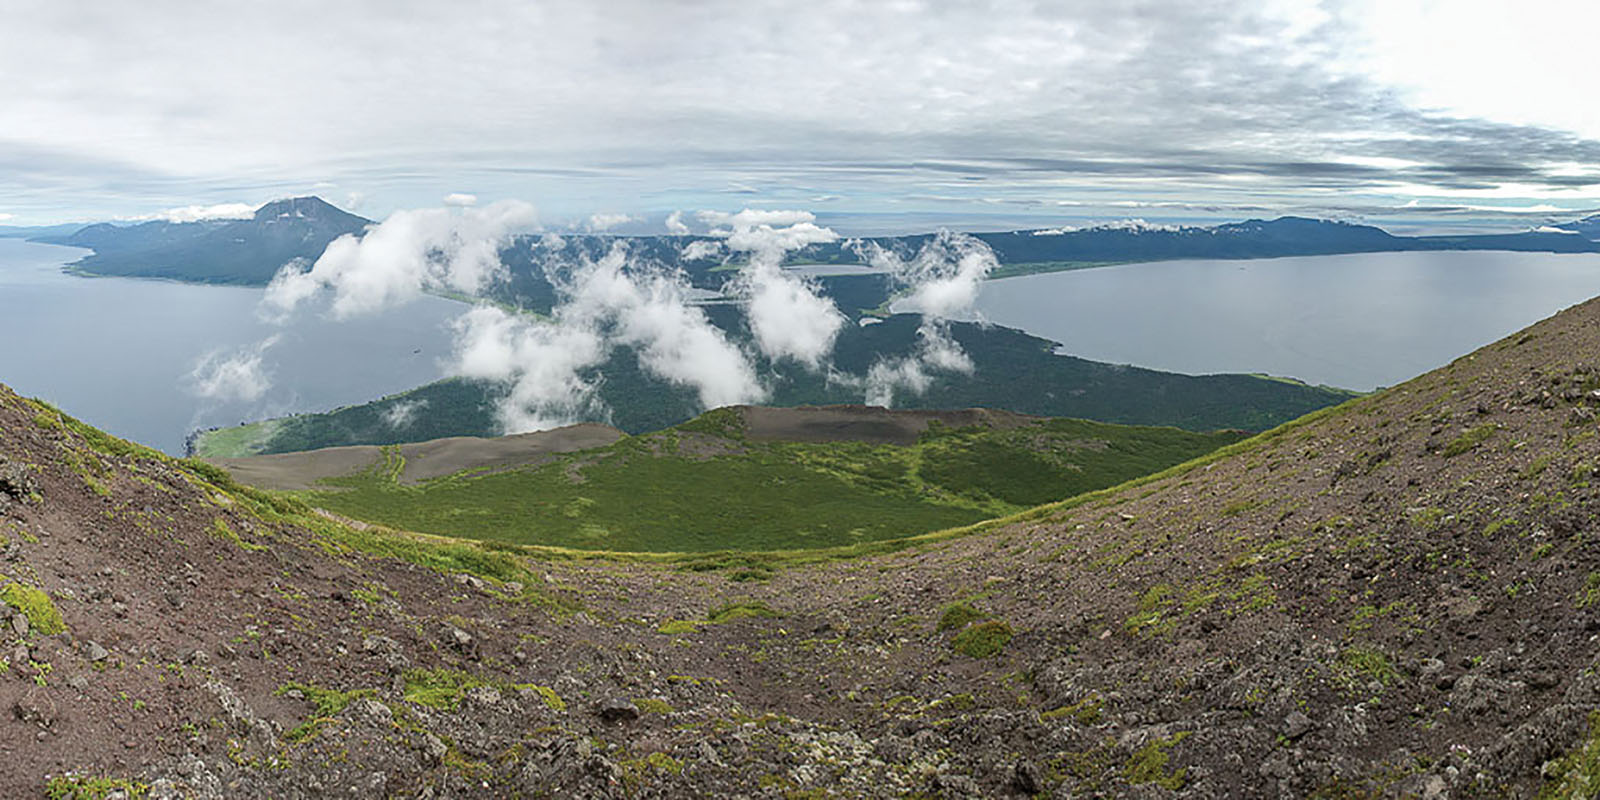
[[1398, 597]]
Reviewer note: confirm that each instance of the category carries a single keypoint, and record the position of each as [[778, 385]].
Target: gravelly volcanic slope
[[1397, 597]]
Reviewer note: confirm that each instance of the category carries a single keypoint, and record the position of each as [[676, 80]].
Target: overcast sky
[[886, 113]]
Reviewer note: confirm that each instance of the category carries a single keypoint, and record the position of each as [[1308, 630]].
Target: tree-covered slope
[[1013, 371]]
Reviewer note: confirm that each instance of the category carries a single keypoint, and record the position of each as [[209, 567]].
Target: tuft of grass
[[1149, 764], [741, 610], [221, 530], [955, 616], [83, 787], [1359, 664], [1470, 440], [983, 639], [35, 604], [441, 689], [678, 627], [327, 703], [1576, 774], [1085, 711], [551, 700], [650, 705], [1590, 593]]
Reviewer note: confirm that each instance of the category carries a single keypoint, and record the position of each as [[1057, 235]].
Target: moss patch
[[1149, 764], [36, 605], [1576, 774], [983, 639], [439, 688], [327, 703], [956, 616], [741, 610], [1469, 440], [79, 787]]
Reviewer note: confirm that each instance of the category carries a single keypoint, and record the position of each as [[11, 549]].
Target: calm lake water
[[1356, 321], [116, 352]]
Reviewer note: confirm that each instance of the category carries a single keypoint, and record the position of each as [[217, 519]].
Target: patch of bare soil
[[872, 424], [1397, 598], [422, 460]]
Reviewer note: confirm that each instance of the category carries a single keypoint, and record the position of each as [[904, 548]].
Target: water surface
[[1356, 321], [116, 352]]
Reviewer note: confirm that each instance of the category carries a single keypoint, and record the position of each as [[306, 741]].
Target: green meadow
[[704, 486]]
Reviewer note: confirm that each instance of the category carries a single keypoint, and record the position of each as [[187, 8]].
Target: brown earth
[[422, 460], [1399, 597], [871, 424]]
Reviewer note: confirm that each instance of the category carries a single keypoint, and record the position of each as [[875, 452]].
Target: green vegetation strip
[[710, 489]]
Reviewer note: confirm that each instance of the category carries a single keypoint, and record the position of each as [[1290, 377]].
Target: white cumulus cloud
[[940, 282], [407, 253], [201, 213], [787, 315], [401, 413], [599, 223], [604, 304], [238, 375]]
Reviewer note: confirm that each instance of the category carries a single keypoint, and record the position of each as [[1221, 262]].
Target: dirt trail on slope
[[423, 460]]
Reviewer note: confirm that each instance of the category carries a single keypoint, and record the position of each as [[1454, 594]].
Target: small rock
[[19, 624], [1025, 778], [433, 748], [486, 696], [618, 710], [708, 754], [27, 710], [1276, 767], [460, 638], [1297, 725], [94, 652], [1435, 788]]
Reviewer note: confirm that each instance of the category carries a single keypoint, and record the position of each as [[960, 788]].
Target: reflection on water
[[114, 352], [1356, 321]]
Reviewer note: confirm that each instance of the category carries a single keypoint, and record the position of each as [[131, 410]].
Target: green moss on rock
[[35, 604]]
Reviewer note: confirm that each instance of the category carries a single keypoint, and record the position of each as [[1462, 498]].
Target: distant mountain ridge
[[251, 251], [1588, 226], [230, 251]]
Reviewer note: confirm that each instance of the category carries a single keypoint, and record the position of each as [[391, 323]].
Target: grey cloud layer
[[626, 99]]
